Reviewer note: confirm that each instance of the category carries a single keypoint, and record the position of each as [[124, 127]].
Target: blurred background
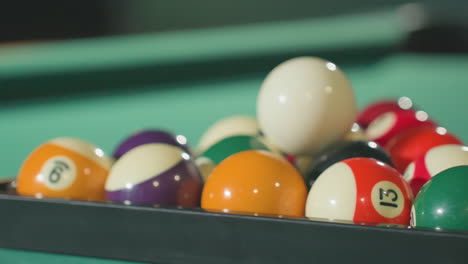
[[57, 20]]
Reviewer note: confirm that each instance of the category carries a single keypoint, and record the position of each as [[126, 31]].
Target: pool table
[[103, 89]]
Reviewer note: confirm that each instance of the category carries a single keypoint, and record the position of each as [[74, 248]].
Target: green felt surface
[[376, 29], [435, 83], [29, 257]]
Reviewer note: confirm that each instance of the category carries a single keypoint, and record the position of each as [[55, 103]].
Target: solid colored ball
[[342, 151], [360, 190], [150, 136], [227, 127], [67, 168], [390, 124], [442, 202], [155, 173], [411, 144], [305, 104], [257, 182], [434, 161], [374, 110]]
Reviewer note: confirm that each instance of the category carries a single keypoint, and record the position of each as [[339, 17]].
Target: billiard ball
[[442, 202], [8, 186], [231, 145], [390, 124], [411, 144], [305, 104], [205, 167], [256, 182], [342, 151], [220, 150], [291, 158], [64, 167], [360, 190], [356, 133], [374, 110], [434, 161], [150, 136], [155, 173], [303, 163], [230, 126]]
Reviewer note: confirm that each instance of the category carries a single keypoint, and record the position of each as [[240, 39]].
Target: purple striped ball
[[150, 136], [155, 173]]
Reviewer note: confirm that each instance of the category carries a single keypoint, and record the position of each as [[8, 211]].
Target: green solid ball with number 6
[[442, 202]]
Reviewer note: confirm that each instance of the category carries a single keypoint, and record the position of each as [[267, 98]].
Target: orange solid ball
[[257, 182]]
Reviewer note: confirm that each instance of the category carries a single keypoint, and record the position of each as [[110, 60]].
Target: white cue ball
[[305, 104]]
